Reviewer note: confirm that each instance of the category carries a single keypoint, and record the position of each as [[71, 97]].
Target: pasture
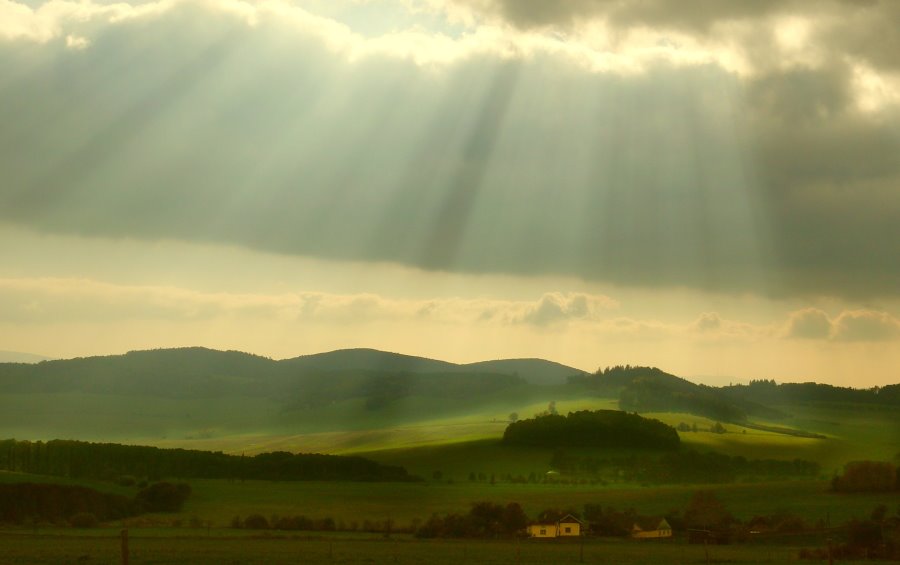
[[195, 548], [352, 505]]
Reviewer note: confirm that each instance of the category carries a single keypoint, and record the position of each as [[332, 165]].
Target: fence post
[[125, 546]]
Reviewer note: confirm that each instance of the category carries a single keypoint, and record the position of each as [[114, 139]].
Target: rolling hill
[[19, 357], [535, 371], [350, 400]]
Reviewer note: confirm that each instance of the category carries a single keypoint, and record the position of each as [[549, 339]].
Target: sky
[[707, 186]]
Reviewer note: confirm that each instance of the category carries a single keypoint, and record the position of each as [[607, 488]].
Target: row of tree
[[599, 428], [484, 520], [79, 459], [683, 467]]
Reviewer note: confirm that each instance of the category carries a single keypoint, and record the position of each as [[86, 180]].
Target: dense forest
[[649, 389], [83, 506], [79, 459], [586, 428], [770, 392]]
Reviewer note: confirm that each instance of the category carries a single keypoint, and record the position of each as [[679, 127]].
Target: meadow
[[448, 449], [152, 548], [354, 505]]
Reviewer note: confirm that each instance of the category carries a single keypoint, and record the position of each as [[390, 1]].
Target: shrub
[[163, 497], [256, 522]]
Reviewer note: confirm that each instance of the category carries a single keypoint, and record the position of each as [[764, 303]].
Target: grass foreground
[[194, 548]]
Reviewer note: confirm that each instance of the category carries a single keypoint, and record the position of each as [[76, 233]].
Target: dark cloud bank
[[676, 177]]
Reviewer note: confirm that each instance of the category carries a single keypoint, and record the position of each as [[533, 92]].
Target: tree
[[866, 476], [163, 497], [513, 417], [705, 511], [514, 518]]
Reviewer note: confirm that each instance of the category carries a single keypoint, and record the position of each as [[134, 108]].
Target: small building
[[661, 530], [567, 526]]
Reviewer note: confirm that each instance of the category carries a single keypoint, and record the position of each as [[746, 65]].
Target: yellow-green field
[[851, 433]]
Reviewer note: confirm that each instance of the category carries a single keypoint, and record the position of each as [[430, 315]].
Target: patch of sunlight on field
[[864, 431], [849, 437], [484, 423], [345, 442]]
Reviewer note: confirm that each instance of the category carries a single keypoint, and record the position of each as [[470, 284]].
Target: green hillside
[[355, 401]]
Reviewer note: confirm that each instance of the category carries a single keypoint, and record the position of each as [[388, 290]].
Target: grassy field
[[456, 446], [244, 425], [218, 501], [197, 549]]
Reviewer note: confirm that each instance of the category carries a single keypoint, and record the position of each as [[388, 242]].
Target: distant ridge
[[534, 370], [19, 357], [199, 372], [369, 359]]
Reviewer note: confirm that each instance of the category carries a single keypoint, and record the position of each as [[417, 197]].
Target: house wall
[[652, 534], [542, 530], [574, 529]]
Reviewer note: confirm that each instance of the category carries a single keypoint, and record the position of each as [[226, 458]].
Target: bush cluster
[[868, 476], [586, 428]]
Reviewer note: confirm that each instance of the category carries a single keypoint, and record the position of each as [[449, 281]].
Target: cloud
[[866, 325], [848, 326], [711, 325], [690, 14], [43, 300], [707, 322], [810, 323], [557, 307], [726, 146]]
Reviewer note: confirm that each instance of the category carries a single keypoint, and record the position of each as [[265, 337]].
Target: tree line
[[107, 461], [681, 467], [770, 392], [82, 506], [649, 389]]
